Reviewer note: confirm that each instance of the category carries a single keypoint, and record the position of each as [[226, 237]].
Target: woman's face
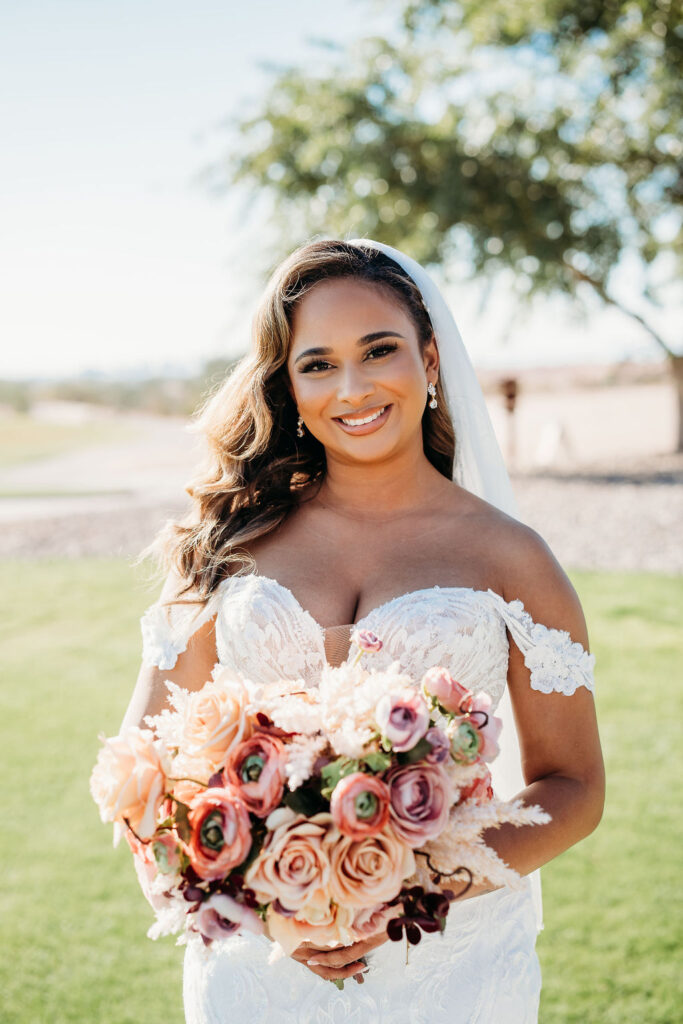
[[354, 354]]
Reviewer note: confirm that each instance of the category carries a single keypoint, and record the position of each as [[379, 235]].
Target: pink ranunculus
[[129, 780], [366, 640], [488, 725], [367, 871], [292, 865], [360, 805], [440, 744], [221, 832], [256, 768], [221, 916], [373, 920], [451, 695], [421, 797], [215, 718], [402, 718]]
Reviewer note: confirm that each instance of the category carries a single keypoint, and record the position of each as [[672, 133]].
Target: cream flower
[[129, 780]]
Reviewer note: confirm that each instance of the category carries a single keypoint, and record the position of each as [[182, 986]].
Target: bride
[[355, 479]]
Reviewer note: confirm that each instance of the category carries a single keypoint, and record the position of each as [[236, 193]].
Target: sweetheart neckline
[[373, 611]]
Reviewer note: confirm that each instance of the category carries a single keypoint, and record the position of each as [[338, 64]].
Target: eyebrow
[[365, 340]]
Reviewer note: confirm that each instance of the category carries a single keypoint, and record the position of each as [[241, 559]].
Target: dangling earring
[[431, 388], [300, 427]]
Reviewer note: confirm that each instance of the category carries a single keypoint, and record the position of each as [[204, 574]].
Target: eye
[[377, 351]]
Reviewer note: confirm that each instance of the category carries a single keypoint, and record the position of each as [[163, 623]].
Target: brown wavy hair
[[257, 467]]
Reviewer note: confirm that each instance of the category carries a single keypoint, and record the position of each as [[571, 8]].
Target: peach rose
[[292, 866], [360, 805], [221, 832], [329, 925], [368, 871], [451, 695], [215, 719], [129, 780], [256, 769], [221, 916]]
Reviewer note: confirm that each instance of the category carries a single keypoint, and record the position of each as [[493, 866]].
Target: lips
[[361, 414], [369, 427]]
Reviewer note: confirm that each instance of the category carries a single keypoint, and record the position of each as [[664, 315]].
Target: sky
[[114, 257]]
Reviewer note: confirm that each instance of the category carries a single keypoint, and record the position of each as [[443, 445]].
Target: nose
[[354, 386]]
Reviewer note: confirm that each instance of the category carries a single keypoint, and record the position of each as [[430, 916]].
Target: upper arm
[[558, 731], [192, 667]]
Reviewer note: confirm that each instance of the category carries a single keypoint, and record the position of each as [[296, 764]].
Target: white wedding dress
[[484, 967]]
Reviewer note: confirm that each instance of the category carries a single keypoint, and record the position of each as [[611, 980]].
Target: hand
[[340, 962]]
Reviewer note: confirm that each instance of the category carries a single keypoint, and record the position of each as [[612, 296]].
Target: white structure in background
[[554, 446]]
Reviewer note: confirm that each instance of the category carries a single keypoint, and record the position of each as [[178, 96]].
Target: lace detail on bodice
[[263, 632]]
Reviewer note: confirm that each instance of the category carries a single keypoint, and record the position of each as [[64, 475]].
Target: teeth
[[368, 419]]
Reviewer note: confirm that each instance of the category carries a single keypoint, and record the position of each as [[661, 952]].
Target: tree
[[541, 137]]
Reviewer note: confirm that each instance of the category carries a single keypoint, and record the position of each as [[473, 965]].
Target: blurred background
[[158, 161]]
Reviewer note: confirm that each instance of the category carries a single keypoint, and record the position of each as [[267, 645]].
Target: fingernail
[[313, 963]]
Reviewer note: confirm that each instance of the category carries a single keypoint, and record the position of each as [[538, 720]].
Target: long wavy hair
[[257, 467]]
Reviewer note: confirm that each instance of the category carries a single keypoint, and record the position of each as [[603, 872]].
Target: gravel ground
[[604, 517]]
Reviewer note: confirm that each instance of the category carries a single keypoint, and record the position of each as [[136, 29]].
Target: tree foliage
[[538, 136]]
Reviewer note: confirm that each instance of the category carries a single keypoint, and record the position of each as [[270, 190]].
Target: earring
[[431, 388], [300, 427]]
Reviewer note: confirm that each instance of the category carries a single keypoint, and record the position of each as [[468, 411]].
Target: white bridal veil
[[479, 467]]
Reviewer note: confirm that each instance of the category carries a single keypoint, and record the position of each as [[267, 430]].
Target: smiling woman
[[338, 496]]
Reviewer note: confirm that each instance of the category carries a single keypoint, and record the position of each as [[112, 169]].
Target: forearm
[[575, 807]]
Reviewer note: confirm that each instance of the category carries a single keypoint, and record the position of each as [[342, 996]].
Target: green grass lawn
[[73, 920], [25, 439]]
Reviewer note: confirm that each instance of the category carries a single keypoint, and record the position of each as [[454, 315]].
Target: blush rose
[[451, 695], [367, 871], [421, 796], [215, 719], [129, 780], [292, 866]]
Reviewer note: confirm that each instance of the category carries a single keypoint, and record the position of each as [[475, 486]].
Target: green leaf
[[416, 753], [306, 800], [377, 761], [181, 822]]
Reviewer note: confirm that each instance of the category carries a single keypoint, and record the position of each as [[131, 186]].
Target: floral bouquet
[[311, 815]]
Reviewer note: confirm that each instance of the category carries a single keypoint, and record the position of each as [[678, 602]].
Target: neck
[[404, 483]]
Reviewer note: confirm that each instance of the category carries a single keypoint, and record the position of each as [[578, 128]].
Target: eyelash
[[323, 362]]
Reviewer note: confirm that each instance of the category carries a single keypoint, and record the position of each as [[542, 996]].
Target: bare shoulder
[[526, 569]]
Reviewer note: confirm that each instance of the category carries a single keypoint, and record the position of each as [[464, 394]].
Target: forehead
[[346, 307]]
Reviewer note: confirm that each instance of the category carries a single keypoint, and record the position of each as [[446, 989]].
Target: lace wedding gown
[[484, 967]]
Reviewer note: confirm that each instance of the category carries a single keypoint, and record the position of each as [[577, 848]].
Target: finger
[[335, 958], [332, 973]]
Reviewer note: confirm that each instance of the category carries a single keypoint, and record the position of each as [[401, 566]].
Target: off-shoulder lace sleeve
[[557, 663], [167, 628]]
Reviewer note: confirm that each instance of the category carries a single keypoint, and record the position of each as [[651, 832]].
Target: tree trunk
[[676, 364]]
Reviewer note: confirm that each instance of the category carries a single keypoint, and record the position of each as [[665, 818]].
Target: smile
[[362, 424]]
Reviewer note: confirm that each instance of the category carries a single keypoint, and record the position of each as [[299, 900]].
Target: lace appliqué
[[166, 629], [557, 663]]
